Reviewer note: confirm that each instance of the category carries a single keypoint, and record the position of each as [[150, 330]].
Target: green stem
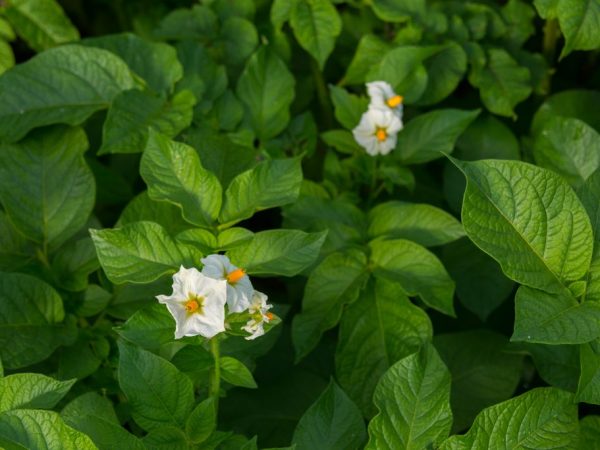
[[214, 386], [322, 95], [551, 35]]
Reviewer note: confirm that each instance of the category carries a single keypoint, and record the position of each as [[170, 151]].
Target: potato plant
[[299, 224]]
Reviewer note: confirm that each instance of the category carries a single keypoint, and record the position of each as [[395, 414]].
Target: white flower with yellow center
[[383, 97], [377, 131], [197, 304], [239, 287], [259, 315]]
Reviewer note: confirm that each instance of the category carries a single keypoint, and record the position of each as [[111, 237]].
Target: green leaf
[[316, 25], [15, 250], [155, 402], [416, 269], [7, 57], [46, 187], [529, 220], [143, 208], [30, 316], [220, 155], [202, 421], [238, 39], [173, 173], [502, 82], [198, 23], [382, 327], [233, 237], [155, 62], [150, 327], [403, 68], [41, 23], [348, 107], [577, 103], [413, 398], [519, 17], [266, 87], [166, 438], [369, 53], [40, 430], [342, 141], [557, 365], [579, 23], [480, 284], [270, 184], [540, 418], [589, 194], [568, 146], [431, 135], [554, 318], [90, 403], [278, 252], [66, 85], [140, 252], [236, 373], [335, 282], [589, 434], [445, 70], [332, 422], [483, 372], [106, 435], [133, 112], [418, 222], [73, 263], [31, 390], [398, 11], [588, 388]]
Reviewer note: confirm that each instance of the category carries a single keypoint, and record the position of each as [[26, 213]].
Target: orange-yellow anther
[[270, 316], [395, 101], [381, 134], [192, 305], [235, 276]]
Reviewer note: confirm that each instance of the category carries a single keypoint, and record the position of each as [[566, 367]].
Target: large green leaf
[[46, 187], [133, 112], [173, 173], [413, 398], [141, 252], [150, 327], [416, 269], [568, 146], [143, 208], [266, 87], [445, 70], [65, 84], [431, 135], [31, 390], [30, 316], [105, 434], [155, 62], [579, 22], [529, 220], [348, 108], [375, 332], [278, 252], [502, 82], [202, 421], [316, 25], [540, 418], [159, 394], [335, 282], [40, 430], [15, 250], [418, 222], [557, 365], [589, 193], [369, 53], [332, 422], [577, 103], [272, 183], [40, 23], [73, 263], [398, 11], [589, 435], [557, 318], [588, 388], [483, 372]]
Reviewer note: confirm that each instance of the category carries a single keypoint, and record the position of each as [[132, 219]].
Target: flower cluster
[[380, 124], [202, 302]]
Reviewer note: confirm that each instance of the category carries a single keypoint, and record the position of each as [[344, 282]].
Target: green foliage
[[198, 252]]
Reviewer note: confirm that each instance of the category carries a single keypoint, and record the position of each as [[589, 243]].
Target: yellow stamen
[[194, 304], [396, 100], [270, 316], [235, 276], [381, 134]]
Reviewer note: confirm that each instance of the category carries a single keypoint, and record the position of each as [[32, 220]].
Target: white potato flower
[[259, 315], [383, 97], [239, 287], [377, 131], [197, 304]]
